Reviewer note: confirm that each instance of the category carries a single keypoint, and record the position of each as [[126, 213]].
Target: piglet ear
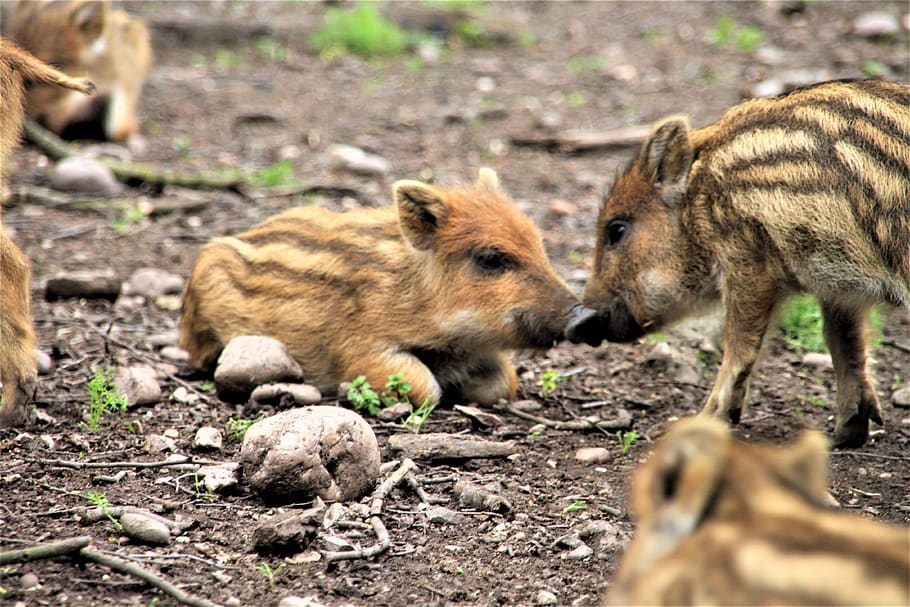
[[667, 155], [806, 465], [421, 211], [488, 179], [89, 18]]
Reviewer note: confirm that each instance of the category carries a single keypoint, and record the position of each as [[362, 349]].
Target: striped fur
[[17, 336], [724, 523], [435, 287], [86, 38], [807, 192]]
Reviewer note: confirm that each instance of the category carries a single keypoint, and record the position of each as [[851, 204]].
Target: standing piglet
[[435, 287], [806, 192], [92, 39]]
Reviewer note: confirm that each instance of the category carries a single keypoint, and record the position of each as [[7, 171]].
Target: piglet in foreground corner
[[806, 192]]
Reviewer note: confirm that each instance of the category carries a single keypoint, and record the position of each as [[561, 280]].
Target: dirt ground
[[234, 86]]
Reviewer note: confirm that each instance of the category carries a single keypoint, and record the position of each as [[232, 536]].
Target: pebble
[[208, 437], [876, 24], [901, 398], [358, 161], [145, 529], [157, 443], [86, 284], [817, 360], [545, 597], [184, 396], [153, 282], [301, 394], [579, 553], [86, 176], [394, 413], [174, 353], [249, 361], [233, 601], [45, 362], [592, 455], [445, 516], [139, 383], [29, 581], [296, 601], [172, 433]]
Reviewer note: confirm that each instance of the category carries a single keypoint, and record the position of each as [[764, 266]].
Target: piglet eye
[[492, 261], [616, 231]]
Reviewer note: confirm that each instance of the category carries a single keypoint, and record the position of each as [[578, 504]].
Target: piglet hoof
[[853, 433], [735, 415]]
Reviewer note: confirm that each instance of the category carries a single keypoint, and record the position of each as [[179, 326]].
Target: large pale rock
[[252, 360], [84, 175], [322, 451], [145, 529], [139, 383]]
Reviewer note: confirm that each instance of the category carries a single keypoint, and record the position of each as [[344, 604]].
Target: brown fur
[[435, 287], [725, 523], [86, 38], [807, 192], [17, 336]]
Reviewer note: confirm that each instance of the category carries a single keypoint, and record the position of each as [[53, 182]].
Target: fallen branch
[[45, 551], [118, 564], [57, 148], [584, 141], [896, 345], [622, 421], [436, 446], [177, 460]]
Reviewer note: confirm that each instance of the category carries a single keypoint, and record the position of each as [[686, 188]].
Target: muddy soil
[[235, 87]]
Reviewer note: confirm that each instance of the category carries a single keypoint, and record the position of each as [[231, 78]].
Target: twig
[[45, 551], [56, 148], [123, 566], [178, 460], [873, 455], [896, 345], [582, 141], [622, 420]]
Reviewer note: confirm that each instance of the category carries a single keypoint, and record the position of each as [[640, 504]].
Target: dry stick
[[581, 141], [382, 534], [118, 564], [176, 461], [45, 551], [56, 148], [622, 420]]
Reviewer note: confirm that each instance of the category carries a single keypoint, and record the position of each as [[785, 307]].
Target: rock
[[44, 362], [901, 398], [184, 396], [472, 495], [300, 394], [251, 360], [152, 282], [579, 553], [139, 383], [322, 451], [355, 160], [678, 365], [876, 24], [768, 88], [172, 433], [285, 534], [145, 529], [445, 516], [208, 437], [157, 443], [84, 175], [219, 478], [394, 413], [545, 597], [485, 84], [592, 455], [88, 284], [817, 360], [176, 354], [593, 529], [563, 208], [29, 581], [167, 338], [296, 601]]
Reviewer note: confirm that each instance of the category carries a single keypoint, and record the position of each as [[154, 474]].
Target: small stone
[[169, 303], [592, 455], [29, 581], [45, 362], [219, 478], [623, 72], [355, 160], [296, 601], [145, 529], [394, 413], [528, 406], [876, 24], [817, 360], [570, 540], [176, 354], [172, 433], [563, 208], [545, 597], [579, 553], [445, 516], [300, 394], [768, 88], [184, 396], [249, 361], [84, 175], [233, 601], [157, 443], [139, 383], [159, 340], [152, 282], [208, 437], [901, 398], [550, 121], [88, 284], [485, 84], [594, 529]]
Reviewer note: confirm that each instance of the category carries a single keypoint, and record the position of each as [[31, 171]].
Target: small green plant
[[363, 397], [270, 50], [182, 143], [396, 390], [727, 31], [585, 64], [266, 570], [652, 34], [576, 99], [549, 381], [576, 506], [626, 439], [818, 401], [100, 500], [656, 338], [800, 321], [362, 31], [227, 59], [131, 216], [279, 174], [874, 68], [104, 397], [414, 421], [238, 426]]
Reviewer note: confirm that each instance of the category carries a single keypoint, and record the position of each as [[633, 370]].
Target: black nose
[[585, 325]]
